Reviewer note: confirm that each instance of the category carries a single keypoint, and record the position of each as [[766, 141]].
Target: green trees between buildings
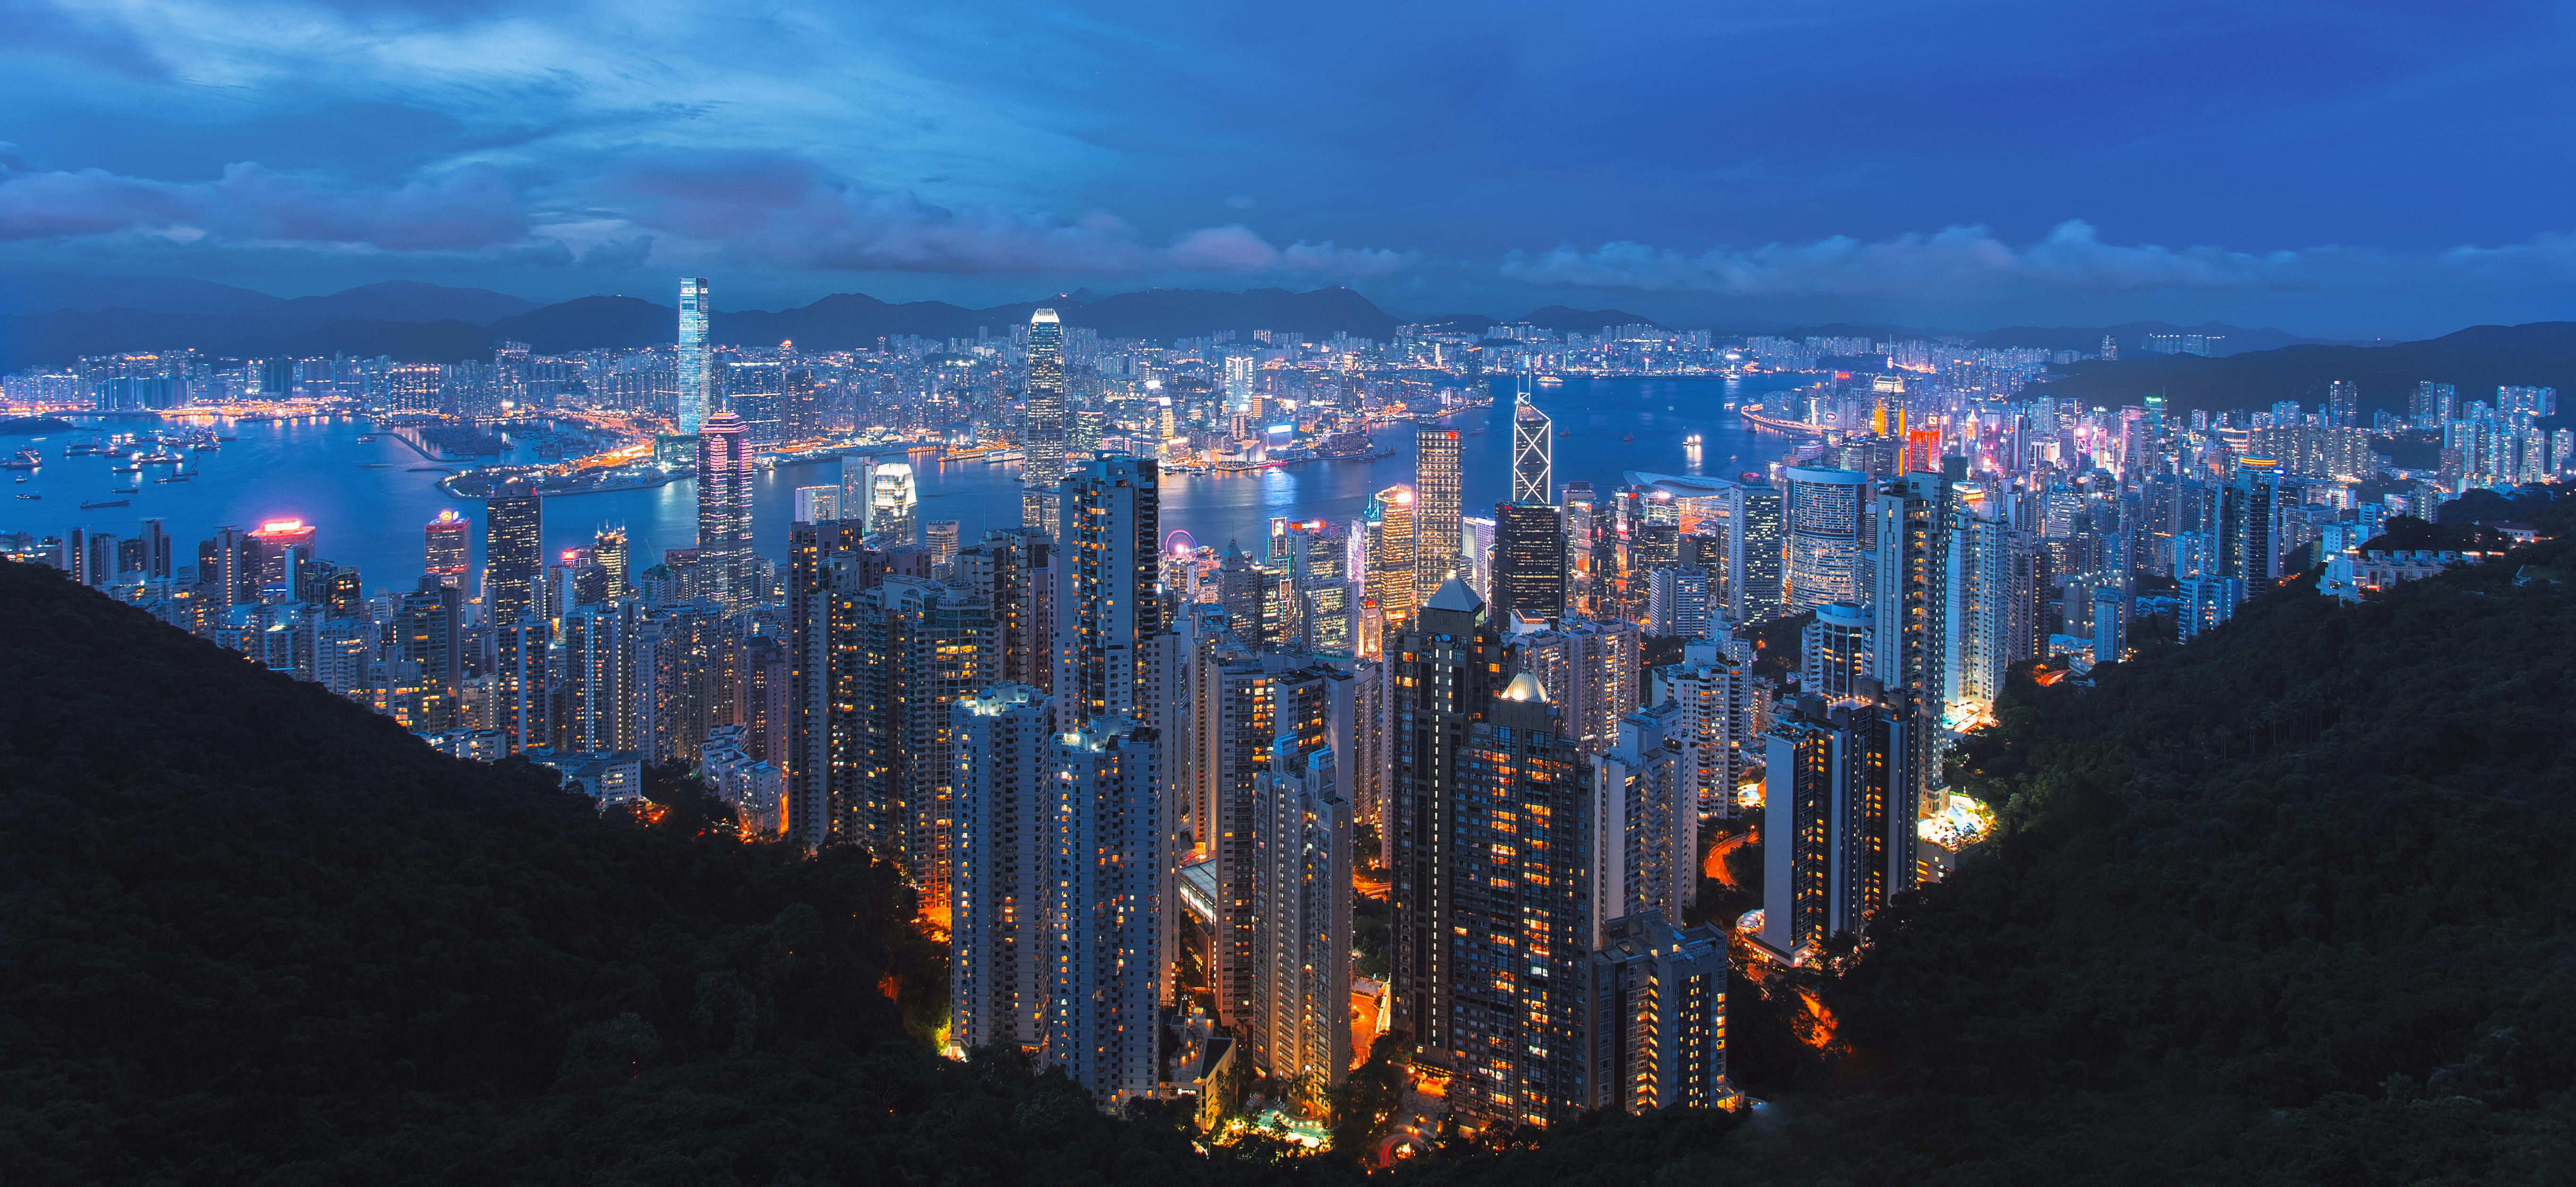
[[2290, 904]]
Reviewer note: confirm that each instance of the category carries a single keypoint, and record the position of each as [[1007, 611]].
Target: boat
[[205, 447], [93, 504], [1550, 381], [1565, 432], [1629, 437], [24, 459], [173, 478], [366, 438], [125, 490], [31, 496], [1693, 439]]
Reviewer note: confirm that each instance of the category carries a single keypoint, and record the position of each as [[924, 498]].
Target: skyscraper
[[1530, 567], [817, 504], [903, 651], [1104, 915], [893, 505], [1838, 652], [999, 883], [1824, 530], [608, 551], [449, 548], [1108, 600], [1909, 597], [1713, 693], [1533, 454], [1436, 539], [724, 512], [1389, 525], [513, 553], [1992, 606], [600, 695], [1043, 444], [696, 366], [1761, 594], [1521, 915], [1658, 1017], [1646, 821], [1441, 676]]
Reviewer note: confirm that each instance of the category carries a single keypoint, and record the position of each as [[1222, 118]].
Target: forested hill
[[250, 933], [2290, 904]]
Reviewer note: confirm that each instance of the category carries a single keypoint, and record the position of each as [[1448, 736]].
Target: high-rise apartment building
[[1436, 540], [608, 549], [1993, 583], [1837, 652], [1302, 813], [1104, 984], [1646, 821], [1520, 876], [1000, 867], [1714, 695], [725, 479], [1108, 599], [1909, 610], [1838, 837], [1658, 1017], [903, 651], [600, 710], [1441, 676]]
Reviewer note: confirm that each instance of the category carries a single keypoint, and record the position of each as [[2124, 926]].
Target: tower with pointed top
[[1533, 454], [1043, 443]]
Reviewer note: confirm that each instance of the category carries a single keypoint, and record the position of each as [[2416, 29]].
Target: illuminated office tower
[[725, 478], [1823, 535], [1533, 454], [449, 548], [1992, 607], [1658, 1018], [1837, 650], [1764, 593], [343, 597], [1646, 821], [428, 629], [1389, 524], [1441, 675], [755, 389], [1043, 444], [940, 535], [817, 504], [273, 540], [1838, 837], [608, 550], [1530, 569], [522, 690], [1239, 587], [998, 888], [1713, 693], [696, 365], [1108, 599], [153, 543], [857, 484], [599, 702], [1242, 397], [893, 505], [513, 553], [1520, 921], [1435, 509], [1677, 602], [2204, 596], [1104, 979]]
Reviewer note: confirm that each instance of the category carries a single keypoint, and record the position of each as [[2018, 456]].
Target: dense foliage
[[2289, 904]]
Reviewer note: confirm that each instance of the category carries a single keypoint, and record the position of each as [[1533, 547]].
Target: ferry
[[1693, 439], [1551, 381], [94, 504], [31, 496]]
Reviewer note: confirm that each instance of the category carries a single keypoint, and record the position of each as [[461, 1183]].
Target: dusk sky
[[2338, 170]]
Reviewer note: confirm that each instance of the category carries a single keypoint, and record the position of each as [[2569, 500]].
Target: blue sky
[[2344, 170]]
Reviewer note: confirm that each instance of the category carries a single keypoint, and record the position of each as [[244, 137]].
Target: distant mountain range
[[415, 322], [2477, 359]]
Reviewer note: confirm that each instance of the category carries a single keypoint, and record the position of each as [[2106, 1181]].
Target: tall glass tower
[[1044, 446], [1436, 538], [724, 511], [697, 376], [1533, 454]]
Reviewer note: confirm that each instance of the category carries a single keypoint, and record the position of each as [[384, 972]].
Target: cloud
[[471, 207], [783, 211], [1971, 261]]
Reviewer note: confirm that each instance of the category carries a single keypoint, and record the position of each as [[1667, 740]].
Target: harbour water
[[369, 500]]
